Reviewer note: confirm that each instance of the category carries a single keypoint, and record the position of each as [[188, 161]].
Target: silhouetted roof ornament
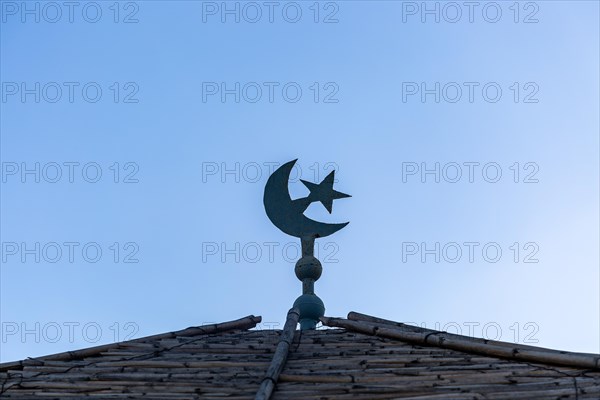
[[288, 215]]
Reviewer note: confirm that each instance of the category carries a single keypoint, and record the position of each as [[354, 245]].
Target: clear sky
[[137, 137]]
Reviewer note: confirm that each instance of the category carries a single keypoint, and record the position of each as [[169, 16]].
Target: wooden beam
[[280, 357], [242, 323], [466, 344]]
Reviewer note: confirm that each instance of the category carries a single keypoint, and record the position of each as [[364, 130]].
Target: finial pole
[[308, 246], [308, 269]]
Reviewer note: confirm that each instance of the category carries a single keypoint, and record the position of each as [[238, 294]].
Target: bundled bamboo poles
[[379, 327], [337, 364], [279, 358], [243, 323]]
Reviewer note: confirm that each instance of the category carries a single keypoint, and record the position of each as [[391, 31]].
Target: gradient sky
[[183, 166]]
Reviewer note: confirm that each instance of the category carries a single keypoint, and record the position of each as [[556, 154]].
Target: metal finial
[[288, 215]]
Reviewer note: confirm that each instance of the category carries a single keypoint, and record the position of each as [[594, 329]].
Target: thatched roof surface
[[368, 359]]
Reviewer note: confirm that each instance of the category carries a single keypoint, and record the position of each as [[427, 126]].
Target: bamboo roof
[[360, 357]]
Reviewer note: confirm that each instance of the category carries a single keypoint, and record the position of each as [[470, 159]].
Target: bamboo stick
[[279, 358], [242, 323], [356, 316], [466, 344]]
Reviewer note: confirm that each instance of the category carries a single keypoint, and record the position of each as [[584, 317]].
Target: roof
[[360, 357]]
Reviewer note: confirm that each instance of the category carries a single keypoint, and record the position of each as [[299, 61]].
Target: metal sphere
[[311, 309], [308, 267]]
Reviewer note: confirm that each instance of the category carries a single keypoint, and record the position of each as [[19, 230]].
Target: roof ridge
[[268, 383], [356, 316], [244, 323], [374, 326]]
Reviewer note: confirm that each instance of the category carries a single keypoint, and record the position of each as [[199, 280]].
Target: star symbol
[[324, 192]]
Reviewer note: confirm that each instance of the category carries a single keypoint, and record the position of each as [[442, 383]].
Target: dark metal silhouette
[[288, 215]]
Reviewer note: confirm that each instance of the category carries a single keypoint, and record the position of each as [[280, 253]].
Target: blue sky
[[183, 166]]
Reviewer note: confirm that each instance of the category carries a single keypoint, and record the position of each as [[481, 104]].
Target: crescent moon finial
[[288, 215]]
